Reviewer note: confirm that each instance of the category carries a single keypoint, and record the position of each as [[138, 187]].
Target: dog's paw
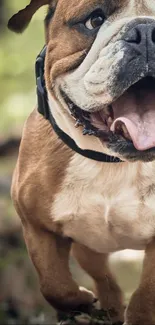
[[87, 295], [94, 317]]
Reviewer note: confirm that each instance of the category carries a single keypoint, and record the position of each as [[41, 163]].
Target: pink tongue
[[136, 110]]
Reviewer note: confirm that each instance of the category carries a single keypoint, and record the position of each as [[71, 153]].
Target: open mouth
[[131, 117]]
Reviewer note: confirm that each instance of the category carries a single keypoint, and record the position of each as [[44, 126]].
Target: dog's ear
[[21, 20]]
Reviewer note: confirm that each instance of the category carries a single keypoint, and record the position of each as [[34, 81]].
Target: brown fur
[[44, 179], [50, 180]]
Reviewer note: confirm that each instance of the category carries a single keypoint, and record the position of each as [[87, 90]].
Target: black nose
[[142, 37]]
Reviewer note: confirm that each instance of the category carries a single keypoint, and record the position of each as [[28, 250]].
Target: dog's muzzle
[[139, 55], [141, 39]]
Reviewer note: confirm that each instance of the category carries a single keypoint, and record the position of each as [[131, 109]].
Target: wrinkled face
[[101, 64]]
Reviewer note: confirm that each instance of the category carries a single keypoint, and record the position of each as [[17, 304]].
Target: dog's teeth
[[109, 121], [78, 123]]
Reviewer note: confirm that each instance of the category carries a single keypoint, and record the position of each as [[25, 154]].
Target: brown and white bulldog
[[100, 63]]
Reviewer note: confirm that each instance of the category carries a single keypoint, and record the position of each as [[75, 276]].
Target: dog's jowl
[[85, 176]]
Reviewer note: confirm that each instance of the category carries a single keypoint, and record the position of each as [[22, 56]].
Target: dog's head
[[100, 65]]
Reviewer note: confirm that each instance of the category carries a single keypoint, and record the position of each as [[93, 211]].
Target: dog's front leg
[[141, 309], [50, 255], [108, 291]]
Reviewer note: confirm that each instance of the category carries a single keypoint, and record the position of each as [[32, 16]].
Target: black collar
[[44, 109]]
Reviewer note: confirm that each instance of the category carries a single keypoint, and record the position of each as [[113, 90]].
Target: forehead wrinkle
[[78, 7], [109, 6], [81, 6]]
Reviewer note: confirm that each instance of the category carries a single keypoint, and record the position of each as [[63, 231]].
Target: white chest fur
[[107, 207]]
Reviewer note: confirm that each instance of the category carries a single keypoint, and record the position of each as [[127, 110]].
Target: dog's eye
[[95, 20]]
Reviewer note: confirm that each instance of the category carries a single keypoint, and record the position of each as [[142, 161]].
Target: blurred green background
[[20, 299], [17, 58]]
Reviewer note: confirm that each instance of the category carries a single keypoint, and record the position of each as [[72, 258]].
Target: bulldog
[[99, 73]]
